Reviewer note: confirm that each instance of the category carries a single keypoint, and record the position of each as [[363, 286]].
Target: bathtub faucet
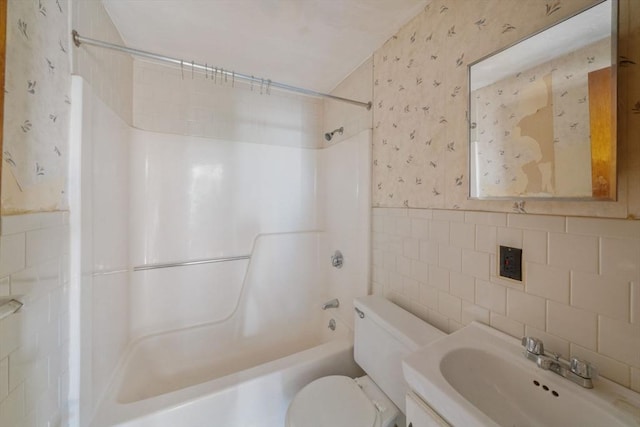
[[334, 303]]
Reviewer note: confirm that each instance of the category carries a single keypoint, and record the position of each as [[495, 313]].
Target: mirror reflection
[[542, 113]]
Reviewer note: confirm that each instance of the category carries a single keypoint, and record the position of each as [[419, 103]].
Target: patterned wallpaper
[[420, 142], [36, 106]]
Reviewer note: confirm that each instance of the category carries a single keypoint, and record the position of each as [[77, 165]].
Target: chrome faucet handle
[[581, 368], [337, 259], [533, 345]]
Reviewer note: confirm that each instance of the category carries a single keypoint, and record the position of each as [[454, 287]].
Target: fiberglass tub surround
[[274, 312], [257, 396], [222, 195], [186, 344], [252, 385], [274, 341], [258, 357]]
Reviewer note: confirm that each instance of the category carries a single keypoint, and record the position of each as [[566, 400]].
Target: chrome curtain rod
[[185, 263], [79, 40]]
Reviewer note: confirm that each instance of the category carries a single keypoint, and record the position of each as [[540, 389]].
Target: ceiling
[[309, 43]]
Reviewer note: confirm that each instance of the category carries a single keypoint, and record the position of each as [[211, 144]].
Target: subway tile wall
[[581, 279], [34, 341]]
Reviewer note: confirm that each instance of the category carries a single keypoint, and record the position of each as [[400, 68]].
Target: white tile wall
[[534, 246], [618, 258], [573, 324], [580, 289], [33, 342], [525, 308], [506, 325], [577, 252], [463, 236], [462, 286], [546, 281], [619, 340], [450, 257], [601, 294], [486, 236], [491, 296]]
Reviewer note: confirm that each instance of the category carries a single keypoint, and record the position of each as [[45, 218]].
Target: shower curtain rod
[[78, 40]]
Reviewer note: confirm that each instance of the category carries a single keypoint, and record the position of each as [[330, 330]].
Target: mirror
[[542, 113]]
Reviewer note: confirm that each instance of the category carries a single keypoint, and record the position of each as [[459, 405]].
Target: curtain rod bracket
[[74, 36]]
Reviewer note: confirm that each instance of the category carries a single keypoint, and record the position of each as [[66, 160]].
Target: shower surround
[[210, 172]]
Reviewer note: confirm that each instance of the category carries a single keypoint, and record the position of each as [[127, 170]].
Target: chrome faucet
[[577, 371], [334, 303]]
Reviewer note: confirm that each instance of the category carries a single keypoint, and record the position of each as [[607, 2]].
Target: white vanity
[[419, 414]]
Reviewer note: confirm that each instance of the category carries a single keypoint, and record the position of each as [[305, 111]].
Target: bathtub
[[252, 388], [243, 366]]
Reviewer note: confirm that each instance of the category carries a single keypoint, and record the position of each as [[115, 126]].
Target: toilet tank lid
[[413, 331]]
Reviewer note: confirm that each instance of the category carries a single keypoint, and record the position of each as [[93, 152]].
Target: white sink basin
[[478, 376]]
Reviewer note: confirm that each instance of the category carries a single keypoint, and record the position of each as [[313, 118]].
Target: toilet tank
[[383, 337]]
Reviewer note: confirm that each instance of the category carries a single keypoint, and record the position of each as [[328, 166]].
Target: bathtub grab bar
[[185, 263]]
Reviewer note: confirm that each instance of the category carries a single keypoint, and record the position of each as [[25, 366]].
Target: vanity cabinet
[[419, 414]]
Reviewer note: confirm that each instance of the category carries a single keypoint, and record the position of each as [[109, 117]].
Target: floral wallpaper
[[37, 105], [529, 128], [420, 112]]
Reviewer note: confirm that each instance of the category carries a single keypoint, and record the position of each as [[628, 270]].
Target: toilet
[[384, 335]]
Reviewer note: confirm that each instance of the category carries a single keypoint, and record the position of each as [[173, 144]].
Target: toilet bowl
[[384, 335], [341, 401]]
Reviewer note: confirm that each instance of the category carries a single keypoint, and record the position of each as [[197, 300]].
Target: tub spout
[[334, 303]]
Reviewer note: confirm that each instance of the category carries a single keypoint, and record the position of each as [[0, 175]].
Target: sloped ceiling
[[309, 43]]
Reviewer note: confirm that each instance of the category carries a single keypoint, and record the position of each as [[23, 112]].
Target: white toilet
[[384, 335]]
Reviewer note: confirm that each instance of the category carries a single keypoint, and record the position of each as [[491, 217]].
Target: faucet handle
[[533, 345], [581, 368]]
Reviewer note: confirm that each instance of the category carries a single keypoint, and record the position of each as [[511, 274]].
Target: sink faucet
[[577, 371]]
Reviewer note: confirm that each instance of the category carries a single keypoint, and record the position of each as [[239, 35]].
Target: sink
[[478, 376]]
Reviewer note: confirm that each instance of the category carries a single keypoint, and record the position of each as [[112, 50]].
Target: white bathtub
[[166, 381], [244, 365]]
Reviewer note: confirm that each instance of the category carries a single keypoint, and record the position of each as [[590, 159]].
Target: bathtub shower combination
[[207, 270], [245, 369]]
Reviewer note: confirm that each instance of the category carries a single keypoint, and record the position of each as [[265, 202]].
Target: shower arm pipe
[[79, 40]]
